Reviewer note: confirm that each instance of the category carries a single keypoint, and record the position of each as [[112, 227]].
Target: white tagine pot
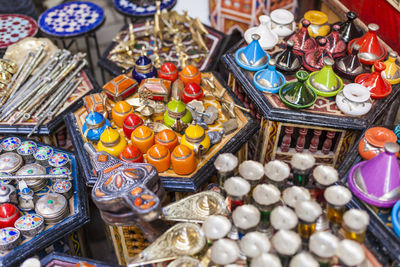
[[268, 39], [283, 23], [354, 100]]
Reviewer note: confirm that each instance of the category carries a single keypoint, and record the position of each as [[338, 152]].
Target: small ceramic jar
[[131, 122], [120, 111], [27, 199], [196, 139], [9, 213], [131, 154], [190, 74], [168, 71], [9, 238], [354, 100], [160, 157], [63, 187], [8, 194], [59, 159], [167, 138], [33, 169], [143, 138], [10, 162], [283, 23], [374, 140], [26, 150], [176, 110], [94, 126], [183, 160], [10, 144], [30, 224], [42, 155], [192, 91], [52, 207], [60, 170], [111, 142]]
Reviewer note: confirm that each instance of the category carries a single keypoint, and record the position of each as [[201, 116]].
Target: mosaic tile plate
[[131, 9], [14, 27]]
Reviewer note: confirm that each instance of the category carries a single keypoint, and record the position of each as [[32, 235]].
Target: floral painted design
[[43, 153], [10, 143], [29, 222], [27, 148], [58, 159]]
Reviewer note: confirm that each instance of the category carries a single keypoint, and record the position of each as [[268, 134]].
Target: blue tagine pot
[[396, 218], [94, 125], [252, 57], [269, 80], [143, 69]]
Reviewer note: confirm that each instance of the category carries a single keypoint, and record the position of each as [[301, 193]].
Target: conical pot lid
[[348, 29], [287, 61], [270, 77], [325, 82], [376, 84], [350, 66], [268, 38], [253, 54], [314, 59], [297, 94], [377, 181], [302, 40]]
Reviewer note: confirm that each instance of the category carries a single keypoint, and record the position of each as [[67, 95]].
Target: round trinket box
[[111, 142], [143, 138], [10, 144], [30, 224], [160, 157], [9, 238], [10, 162], [33, 169], [63, 187], [53, 207], [9, 213], [192, 91], [196, 139], [8, 194], [168, 71], [190, 74], [60, 170], [94, 125], [177, 112], [27, 199], [26, 150], [167, 138], [120, 111], [4, 181], [131, 154], [59, 159], [131, 122], [42, 155], [183, 160]]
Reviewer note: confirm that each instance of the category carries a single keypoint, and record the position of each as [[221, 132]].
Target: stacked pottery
[[268, 38]]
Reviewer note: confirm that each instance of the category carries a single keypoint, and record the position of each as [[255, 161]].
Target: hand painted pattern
[[43, 153], [8, 235], [27, 148], [14, 27], [11, 143], [58, 159], [62, 186], [29, 221]]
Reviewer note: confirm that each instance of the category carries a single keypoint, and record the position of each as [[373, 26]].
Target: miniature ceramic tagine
[[269, 80], [354, 100], [94, 126], [177, 116], [325, 82], [183, 160], [318, 22], [143, 138], [131, 154], [192, 91], [167, 138], [349, 67], [337, 47], [376, 84], [190, 74], [314, 60], [131, 122], [143, 68], [111, 142], [196, 139], [371, 50], [120, 111], [252, 57], [159, 156], [297, 94], [287, 61], [266, 259], [348, 29], [9, 213], [26, 150], [376, 187], [392, 71], [302, 40], [168, 71], [268, 39], [283, 23], [374, 140], [120, 87]]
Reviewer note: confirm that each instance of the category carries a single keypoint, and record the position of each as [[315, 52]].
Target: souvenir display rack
[[78, 216]]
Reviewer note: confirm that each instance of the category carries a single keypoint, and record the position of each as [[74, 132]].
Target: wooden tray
[[77, 217]]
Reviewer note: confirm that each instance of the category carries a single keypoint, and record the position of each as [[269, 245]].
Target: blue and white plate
[[131, 9]]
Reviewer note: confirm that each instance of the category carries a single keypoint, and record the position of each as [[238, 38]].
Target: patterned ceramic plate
[[14, 27], [131, 9]]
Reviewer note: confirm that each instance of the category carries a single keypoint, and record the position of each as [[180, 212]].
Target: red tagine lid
[[379, 136], [133, 120], [193, 89], [131, 153], [168, 68], [7, 210], [376, 84]]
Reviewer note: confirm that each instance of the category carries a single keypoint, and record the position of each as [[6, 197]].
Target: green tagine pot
[[325, 82], [298, 94]]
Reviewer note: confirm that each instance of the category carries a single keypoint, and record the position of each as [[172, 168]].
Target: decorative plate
[[14, 27], [131, 9], [71, 19]]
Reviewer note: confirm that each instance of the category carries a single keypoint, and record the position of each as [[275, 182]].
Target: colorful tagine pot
[[111, 142], [252, 57], [337, 47], [177, 114], [131, 154], [143, 68], [297, 94], [354, 100], [269, 80], [318, 22], [131, 122], [167, 138], [192, 91], [371, 50], [120, 111], [392, 71], [349, 67], [160, 157], [268, 38], [374, 140], [302, 40], [376, 84], [325, 82], [143, 138], [183, 160], [377, 181], [314, 60], [94, 126], [190, 74], [196, 139], [348, 29], [168, 71], [287, 61]]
